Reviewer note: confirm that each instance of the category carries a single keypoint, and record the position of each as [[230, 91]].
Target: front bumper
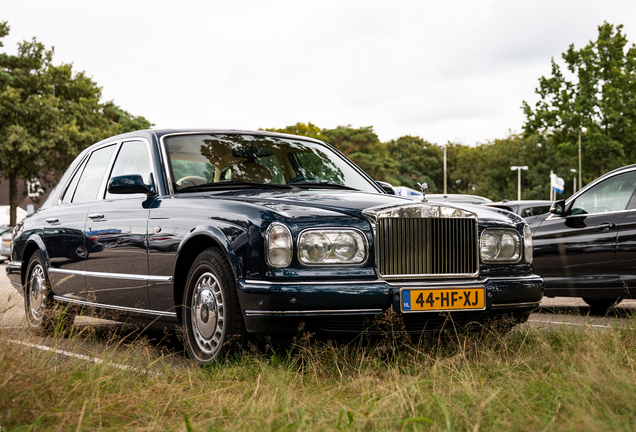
[[14, 273], [350, 306]]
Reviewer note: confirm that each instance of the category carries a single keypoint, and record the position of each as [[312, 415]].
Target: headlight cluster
[[318, 247], [315, 246], [500, 245]]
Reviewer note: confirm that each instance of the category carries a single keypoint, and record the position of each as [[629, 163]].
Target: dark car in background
[[527, 209], [586, 245], [230, 233]]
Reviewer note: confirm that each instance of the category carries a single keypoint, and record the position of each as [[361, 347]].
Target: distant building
[[35, 194]]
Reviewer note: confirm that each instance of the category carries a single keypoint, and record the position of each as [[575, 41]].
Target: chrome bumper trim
[[306, 312], [113, 307], [321, 282], [112, 275]]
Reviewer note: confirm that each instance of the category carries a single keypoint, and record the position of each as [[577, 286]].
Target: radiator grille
[[427, 246]]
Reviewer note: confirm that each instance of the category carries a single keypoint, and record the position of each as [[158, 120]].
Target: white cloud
[[454, 70]]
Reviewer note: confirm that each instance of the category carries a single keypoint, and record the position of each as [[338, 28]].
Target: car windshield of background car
[[612, 194], [208, 159]]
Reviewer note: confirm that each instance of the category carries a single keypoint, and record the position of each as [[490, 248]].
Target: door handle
[[605, 227], [52, 220], [96, 216]]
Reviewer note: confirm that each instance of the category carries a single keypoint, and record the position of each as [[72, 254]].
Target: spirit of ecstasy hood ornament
[[424, 188]]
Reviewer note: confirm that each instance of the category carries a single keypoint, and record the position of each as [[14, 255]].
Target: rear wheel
[[39, 305], [212, 318], [602, 303]]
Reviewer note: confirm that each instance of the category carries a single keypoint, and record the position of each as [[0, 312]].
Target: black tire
[[43, 314], [212, 318], [602, 304]]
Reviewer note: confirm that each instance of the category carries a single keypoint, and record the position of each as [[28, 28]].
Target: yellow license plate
[[443, 299]]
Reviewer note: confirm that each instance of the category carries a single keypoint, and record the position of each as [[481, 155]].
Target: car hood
[[343, 202]]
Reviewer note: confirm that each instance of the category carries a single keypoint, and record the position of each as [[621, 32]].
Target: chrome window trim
[[113, 307], [106, 178], [591, 185], [553, 216], [306, 312], [342, 156], [107, 144], [112, 275], [344, 264], [71, 177]]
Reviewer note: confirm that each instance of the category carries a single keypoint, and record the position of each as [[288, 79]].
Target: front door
[[118, 274], [577, 253]]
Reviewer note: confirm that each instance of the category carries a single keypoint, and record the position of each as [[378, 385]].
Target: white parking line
[[80, 356], [575, 324]]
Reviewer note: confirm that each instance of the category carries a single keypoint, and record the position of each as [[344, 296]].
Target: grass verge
[[529, 379]]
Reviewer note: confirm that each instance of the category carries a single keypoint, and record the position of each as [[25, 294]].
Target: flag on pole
[[557, 183]]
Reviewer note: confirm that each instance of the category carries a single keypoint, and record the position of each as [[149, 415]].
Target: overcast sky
[[446, 70]]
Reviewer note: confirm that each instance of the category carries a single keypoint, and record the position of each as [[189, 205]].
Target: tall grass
[[528, 379]]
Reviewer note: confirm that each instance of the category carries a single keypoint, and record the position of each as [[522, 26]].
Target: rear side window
[[68, 194], [91, 178]]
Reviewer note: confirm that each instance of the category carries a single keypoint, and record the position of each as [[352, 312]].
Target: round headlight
[[344, 246], [489, 246], [315, 247], [508, 248]]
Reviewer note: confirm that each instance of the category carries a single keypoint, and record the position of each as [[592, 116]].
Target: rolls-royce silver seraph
[[232, 233]]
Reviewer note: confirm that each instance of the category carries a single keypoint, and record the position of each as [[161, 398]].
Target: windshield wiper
[[328, 184], [234, 184]]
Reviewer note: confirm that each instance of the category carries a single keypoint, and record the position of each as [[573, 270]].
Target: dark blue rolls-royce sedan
[[230, 233]]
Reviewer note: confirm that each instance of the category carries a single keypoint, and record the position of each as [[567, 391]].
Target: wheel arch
[[199, 240], [33, 243]]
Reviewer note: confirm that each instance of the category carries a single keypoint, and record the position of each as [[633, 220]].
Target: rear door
[[64, 232]]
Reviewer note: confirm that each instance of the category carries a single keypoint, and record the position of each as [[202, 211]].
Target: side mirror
[[386, 187], [129, 184], [558, 208]]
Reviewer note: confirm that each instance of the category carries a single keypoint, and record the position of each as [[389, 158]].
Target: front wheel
[[212, 318], [602, 304]]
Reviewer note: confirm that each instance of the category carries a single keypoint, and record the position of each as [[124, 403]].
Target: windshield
[[214, 160]]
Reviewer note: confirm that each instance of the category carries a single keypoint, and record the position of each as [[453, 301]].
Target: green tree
[[417, 161], [601, 98], [364, 148], [48, 114], [303, 129]]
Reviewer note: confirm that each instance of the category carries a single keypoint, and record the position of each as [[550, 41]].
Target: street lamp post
[[574, 180], [518, 168]]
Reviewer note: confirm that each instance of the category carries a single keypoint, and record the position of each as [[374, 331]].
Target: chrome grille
[[427, 246]]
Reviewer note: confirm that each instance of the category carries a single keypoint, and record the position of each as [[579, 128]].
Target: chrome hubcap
[[207, 313], [37, 293]]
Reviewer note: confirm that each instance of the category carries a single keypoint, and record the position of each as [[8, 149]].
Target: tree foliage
[[601, 97], [48, 114]]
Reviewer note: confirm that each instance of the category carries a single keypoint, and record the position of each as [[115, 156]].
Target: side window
[[609, 195], [68, 194], [91, 178], [133, 158]]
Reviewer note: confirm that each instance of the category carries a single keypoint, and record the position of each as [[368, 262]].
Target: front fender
[[231, 238]]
